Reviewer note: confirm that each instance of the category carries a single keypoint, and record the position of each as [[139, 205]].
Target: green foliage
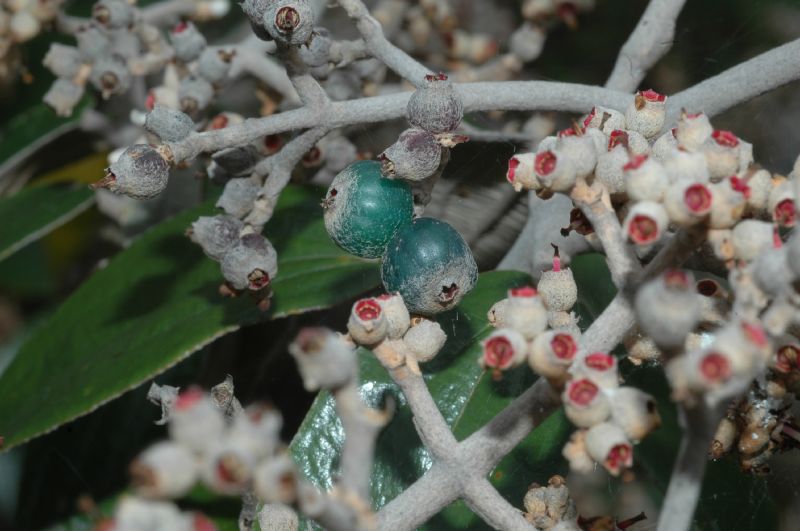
[[156, 303]]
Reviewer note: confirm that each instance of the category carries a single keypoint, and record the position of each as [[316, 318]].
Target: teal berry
[[363, 209], [430, 265]]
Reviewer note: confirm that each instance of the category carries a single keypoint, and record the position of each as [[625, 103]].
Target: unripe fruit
[[645, 179], [168, 124], [599, 367], [502, 350], [275, 480], [238, 196], [552, 353], [635, 412], [435, 106], [194, 95], [114, 14], [687, 202], [110, 75], [606, 443], [367, 324], [324, 359], [557, 287], [237, 160], [277, 517], [647, 113], [363, 210], [63, 61], [214, 65], [289, 21], [254, 10], [187, 41], [165, 470], [140, 172], [645, 223], [693, 131], [415, 156], [93, 43], [215, 234], [526, 312], [584, 403], [425, 339], [251, 263], [668, 308], [430, 265], [195, 421]]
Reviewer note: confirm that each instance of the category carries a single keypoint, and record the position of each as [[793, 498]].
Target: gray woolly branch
[[649, 42]]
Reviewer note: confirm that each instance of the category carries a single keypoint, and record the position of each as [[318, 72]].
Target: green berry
[[363, 209], [430, 265]]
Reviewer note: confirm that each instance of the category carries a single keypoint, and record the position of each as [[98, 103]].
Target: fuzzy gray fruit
[[63, 96], [238, 196], [216, 234], [110, 75], [168, 124], [251, 263], [436, 106], [214, 65], [289, 21], [194, 95], [237, 160], [415, 156], [140, 172], [187, 41], [93, 42], [114, 14], [254, 10], [63, 61]]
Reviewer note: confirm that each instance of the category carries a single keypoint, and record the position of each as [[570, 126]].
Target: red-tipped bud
[[645, 223], [502, 350], [606, 443], [551, 355]]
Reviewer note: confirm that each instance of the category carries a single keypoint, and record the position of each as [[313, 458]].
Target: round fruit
[[430, 265], [363, 209]]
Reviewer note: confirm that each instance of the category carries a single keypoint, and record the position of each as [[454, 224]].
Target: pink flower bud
[[584, 403], [552, 353], [367, 324], [502, 350], [606, 443], [645, 223], [687, 203]]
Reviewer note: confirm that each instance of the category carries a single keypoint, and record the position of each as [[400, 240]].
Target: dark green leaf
[[156, 303], [37, 210], [33, 128]]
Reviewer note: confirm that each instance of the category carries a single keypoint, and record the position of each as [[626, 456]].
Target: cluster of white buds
[[118, 44], [20, 21], [135, 513], [386, 320]]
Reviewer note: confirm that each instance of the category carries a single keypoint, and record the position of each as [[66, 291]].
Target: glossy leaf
[[467, 397], [156, 303], [37, 210]]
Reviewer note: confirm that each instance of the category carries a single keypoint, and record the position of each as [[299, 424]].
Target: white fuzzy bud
[[554, 170], [325, 360], [688, 202], [635, 412], [551, 354], [668, 308], [195, 421], [258, 429], [558, 289], [606, 443], [604, 119], [645, 179], [750, 237], [599, 367], [721, 152], [397, 317], [133, 513], [646, 113], [585, 404], [781, 203], [646, 223], [520, 172], [609, 169], [367, 323], [497, 314], [682, 165], [727, 204], [693, 131], [760, 184], [664, 146], [250, 263], [502, 350], [277, 517], [527, 42], [275, 480], [579, 150], [525, 312], [164, 470], [227, 467], [576, 455], [425, 339]]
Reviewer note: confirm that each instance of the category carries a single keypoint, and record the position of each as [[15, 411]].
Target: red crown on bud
[[498, 352], [599, 361], [740, 185], [564, 346], [513, 164], [676, 279], [652, 95], [755, 334], [635, 162], [150, 101], [785, 213], [698, 199], [643, 229], [189, 398], [180, 27], [201, 522], [523, 291], [715, 367], [582, 392], [590, 117], [545, 162], [368, 309], [725, 138], [620, 456], [617, 137]]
